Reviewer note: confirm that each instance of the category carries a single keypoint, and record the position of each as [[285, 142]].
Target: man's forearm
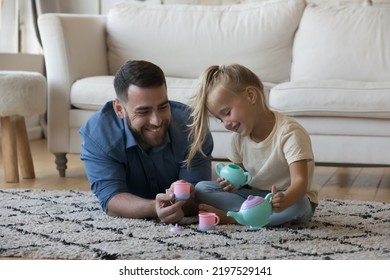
[[127, 205]]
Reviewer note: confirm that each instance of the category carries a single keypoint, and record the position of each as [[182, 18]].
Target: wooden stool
[[22, 94]]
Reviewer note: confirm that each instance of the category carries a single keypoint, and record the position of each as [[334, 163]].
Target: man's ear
[[118, 108], [251, 94]]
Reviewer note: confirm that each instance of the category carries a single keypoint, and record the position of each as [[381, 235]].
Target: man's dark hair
[[139, 73]]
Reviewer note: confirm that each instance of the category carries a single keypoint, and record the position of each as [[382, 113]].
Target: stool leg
[[10, 158], [24, 152]]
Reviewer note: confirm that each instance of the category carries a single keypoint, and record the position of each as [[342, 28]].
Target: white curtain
[[9, 27], [18, 32], [17, 27], [17, 19]]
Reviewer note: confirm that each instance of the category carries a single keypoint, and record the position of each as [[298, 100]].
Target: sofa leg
[[61, 161]]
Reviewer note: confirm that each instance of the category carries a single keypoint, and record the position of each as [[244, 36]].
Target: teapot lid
[[251, 201]]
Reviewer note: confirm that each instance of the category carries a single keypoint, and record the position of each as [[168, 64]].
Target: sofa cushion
[[332, 98], [93, 92], [260, 36], [342, 42]]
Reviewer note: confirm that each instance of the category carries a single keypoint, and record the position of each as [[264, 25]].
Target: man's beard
[[143, 140]]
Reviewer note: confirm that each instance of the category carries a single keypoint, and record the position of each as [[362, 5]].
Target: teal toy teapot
[[254, 212], [236, 176]]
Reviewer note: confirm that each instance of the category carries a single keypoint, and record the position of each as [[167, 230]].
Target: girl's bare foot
[[223, 219]]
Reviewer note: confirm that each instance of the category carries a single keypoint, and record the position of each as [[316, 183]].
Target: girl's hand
[[225, 185], [279, 201]]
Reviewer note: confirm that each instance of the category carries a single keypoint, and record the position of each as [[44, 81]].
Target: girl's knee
[[206, 186]]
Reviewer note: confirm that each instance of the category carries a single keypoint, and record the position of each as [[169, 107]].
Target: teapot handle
[[269, 197], [248, 178], [218, 168]]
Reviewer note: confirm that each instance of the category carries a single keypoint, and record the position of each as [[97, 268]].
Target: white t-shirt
[[268, 161]]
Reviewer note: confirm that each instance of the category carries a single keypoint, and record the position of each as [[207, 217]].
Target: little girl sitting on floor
[[272, 147]]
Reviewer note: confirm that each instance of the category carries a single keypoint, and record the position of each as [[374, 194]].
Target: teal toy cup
[[236, 176]]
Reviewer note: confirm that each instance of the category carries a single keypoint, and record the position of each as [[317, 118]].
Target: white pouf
[[22, 94]]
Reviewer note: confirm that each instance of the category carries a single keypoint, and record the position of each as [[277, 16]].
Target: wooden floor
[[369, 184]]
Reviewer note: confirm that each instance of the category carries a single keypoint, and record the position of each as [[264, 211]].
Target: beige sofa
[[326, 65]]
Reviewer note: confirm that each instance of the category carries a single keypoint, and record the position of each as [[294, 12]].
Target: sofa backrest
[[185, 39], [347, 42]]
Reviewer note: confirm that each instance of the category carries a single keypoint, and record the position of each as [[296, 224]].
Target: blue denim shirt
[[115, 163]]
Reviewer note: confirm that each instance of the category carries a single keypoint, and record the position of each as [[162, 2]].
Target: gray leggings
[[210, 192]]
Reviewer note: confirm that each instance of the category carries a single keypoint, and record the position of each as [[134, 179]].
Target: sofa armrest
[[74, 48]]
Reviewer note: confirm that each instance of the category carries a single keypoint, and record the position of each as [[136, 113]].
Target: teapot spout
[[237, 216]]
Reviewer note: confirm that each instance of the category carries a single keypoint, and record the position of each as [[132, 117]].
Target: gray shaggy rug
[[45, 224]]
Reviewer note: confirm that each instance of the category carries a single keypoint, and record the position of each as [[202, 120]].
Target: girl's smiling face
[[235, 110]]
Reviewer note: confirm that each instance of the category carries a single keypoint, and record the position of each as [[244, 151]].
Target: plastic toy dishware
[[176, 228], [254, 212], [208, 221], [182, 190], [236, 176]]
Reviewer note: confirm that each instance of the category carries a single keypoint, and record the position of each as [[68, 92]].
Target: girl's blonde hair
[[236, 78]]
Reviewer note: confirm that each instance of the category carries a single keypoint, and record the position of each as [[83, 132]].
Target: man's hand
[[168, 210]]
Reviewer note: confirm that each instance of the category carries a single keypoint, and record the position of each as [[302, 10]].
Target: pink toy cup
[[182, 190], [208, 221]]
